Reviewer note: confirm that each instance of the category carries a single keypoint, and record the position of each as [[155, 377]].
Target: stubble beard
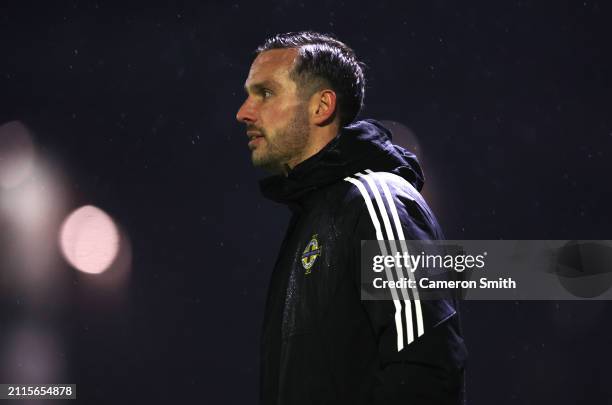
[[286, 146]]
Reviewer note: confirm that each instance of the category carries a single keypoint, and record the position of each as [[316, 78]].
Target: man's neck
[[319, 139]]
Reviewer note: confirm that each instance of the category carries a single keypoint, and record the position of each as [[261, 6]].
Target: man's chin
[[265, 163]]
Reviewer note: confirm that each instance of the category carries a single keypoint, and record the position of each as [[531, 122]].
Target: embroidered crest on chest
[[311, 253]]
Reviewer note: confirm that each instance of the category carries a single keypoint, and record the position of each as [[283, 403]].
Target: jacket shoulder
[[387, 195]]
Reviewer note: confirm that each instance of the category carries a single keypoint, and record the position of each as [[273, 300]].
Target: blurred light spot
[[406, 138], [89, 240], [403, 136], [30, 215], [32, 202], [32, 354], [16, 154]]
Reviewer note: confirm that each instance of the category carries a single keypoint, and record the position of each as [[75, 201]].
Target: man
[[342, 180]]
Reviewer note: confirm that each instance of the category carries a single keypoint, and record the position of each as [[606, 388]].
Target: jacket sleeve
[[421, 353]]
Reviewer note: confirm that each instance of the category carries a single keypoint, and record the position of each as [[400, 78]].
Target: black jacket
[[321, 344]]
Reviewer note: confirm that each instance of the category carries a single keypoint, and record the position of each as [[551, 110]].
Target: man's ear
[[323, 107]]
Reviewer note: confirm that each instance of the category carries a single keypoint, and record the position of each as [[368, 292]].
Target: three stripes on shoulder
[[376, 183]]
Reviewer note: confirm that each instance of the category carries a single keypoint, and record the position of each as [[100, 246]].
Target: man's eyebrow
[[259, 86]]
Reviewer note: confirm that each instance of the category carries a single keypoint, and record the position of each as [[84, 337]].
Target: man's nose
[[246, 113]]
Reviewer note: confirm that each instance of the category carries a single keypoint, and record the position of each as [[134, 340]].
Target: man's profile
[[344, 182]]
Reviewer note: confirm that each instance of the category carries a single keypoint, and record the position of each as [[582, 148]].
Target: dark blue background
[[510, 102]]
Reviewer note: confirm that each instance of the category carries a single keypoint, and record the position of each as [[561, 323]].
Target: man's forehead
[[283, 56], [273, 63]]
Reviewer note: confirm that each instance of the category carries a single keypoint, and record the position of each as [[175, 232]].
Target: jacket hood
[[357, 147]]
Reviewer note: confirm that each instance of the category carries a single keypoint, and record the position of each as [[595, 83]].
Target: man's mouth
[[253, 137], [254, 134]]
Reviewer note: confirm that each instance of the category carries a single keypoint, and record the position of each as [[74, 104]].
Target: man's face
[[276, 117]]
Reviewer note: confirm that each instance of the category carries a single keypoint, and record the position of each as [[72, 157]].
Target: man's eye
[[266, 93]]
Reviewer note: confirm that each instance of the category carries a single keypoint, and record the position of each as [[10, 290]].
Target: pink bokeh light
[[89, 240], [16, 154]]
